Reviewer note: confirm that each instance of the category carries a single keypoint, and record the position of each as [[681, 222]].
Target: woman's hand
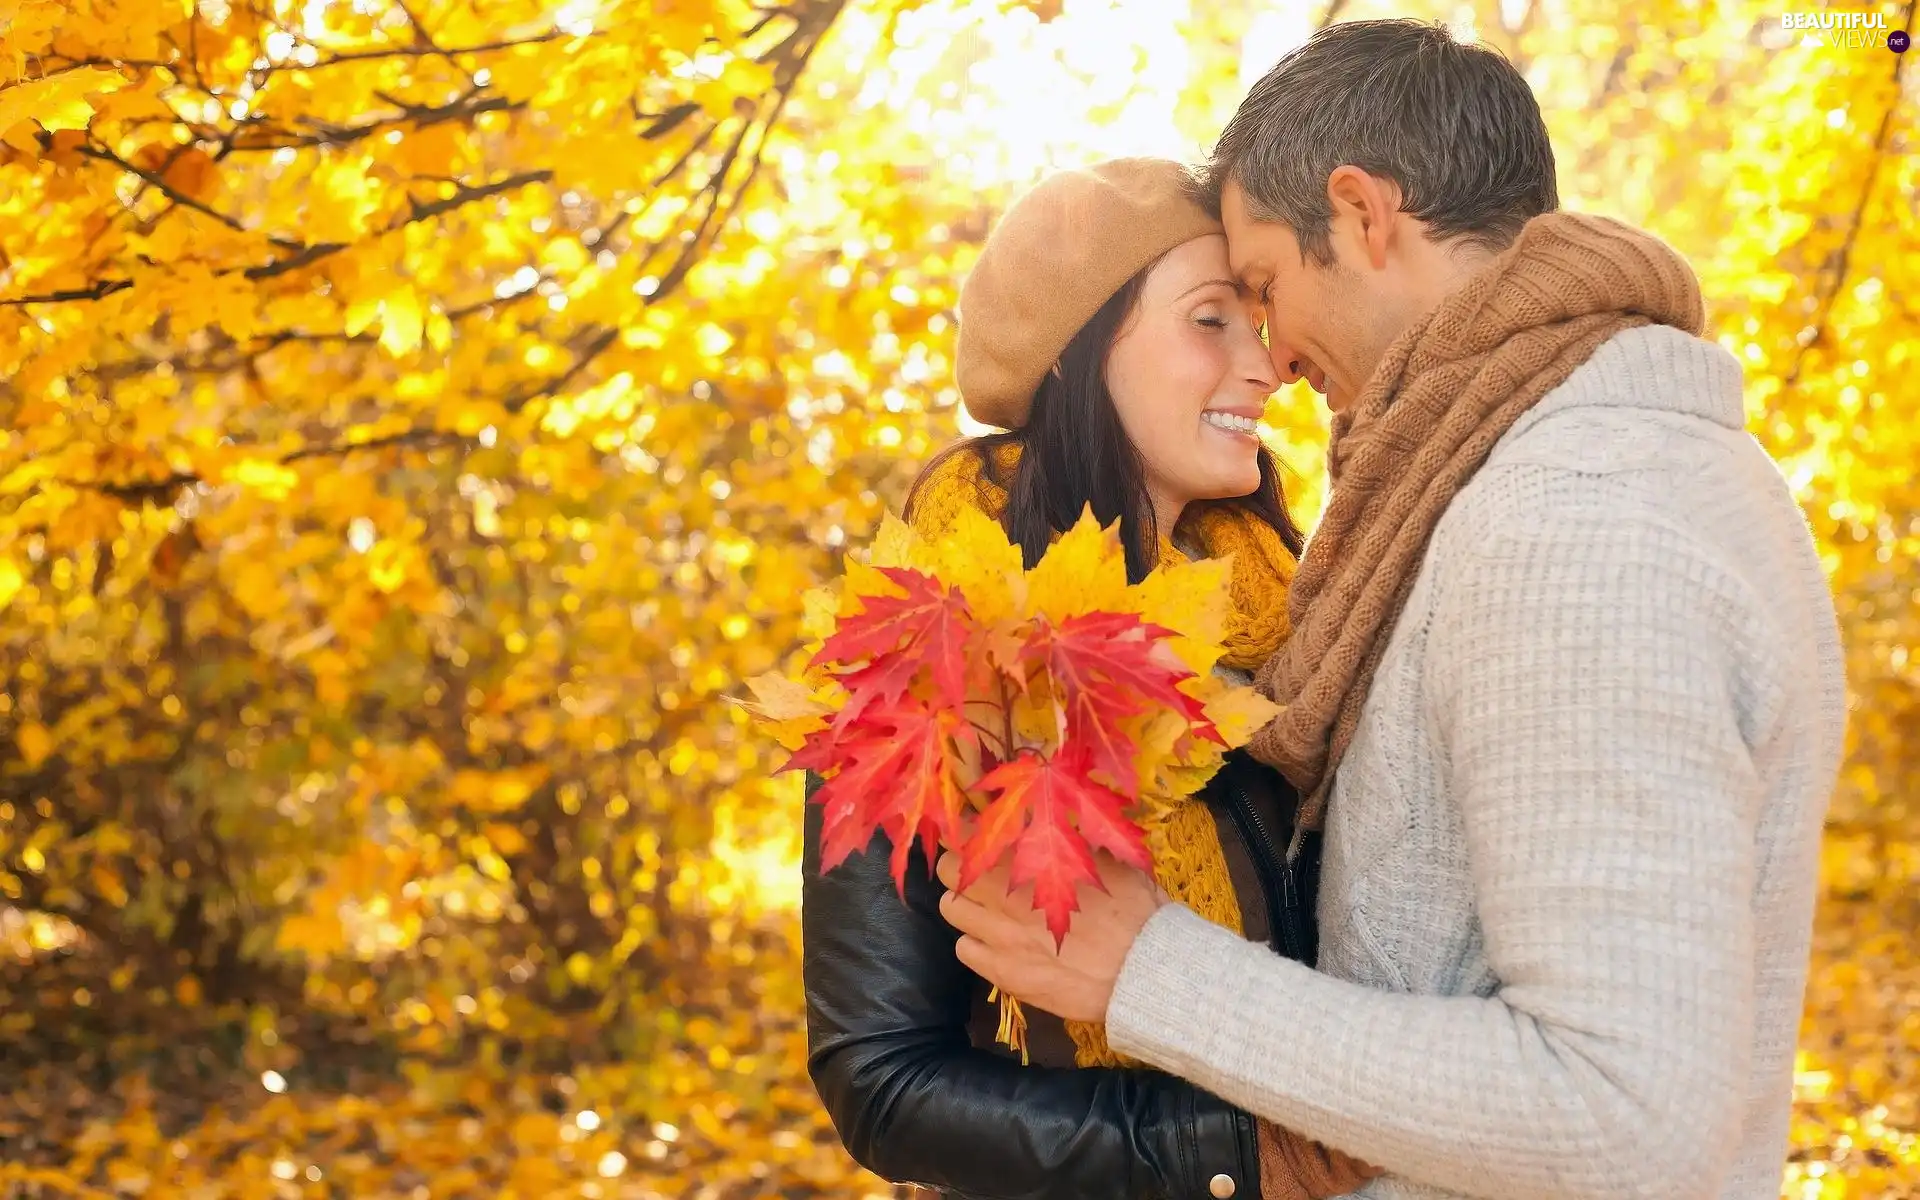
[[1005, 941]]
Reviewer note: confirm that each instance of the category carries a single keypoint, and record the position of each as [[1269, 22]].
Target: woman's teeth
[[1229, 422]]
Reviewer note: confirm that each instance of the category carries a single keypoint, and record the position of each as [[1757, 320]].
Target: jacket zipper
[[1268, 863]]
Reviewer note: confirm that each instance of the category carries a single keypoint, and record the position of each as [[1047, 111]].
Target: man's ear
[[1365, 210]]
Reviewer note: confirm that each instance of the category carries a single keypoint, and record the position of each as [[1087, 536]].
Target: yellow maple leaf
[[1190, 598], [360, 315], [1084, 571], [1037, 720], [1237, 712], [1174, 778], [1157, 735], [129, 104], [976, 558], [402, 322], [895, 544], [819, 608], [863, 580], [781, 699], [57, 102], [790, 710]]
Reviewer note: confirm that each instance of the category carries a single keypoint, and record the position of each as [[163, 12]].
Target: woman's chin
[[1242, 474], [1231, 485]]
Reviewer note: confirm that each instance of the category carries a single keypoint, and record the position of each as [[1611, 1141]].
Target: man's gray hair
[[1453, 124]]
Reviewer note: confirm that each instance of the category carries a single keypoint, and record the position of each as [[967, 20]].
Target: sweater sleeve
[[1582, 676]]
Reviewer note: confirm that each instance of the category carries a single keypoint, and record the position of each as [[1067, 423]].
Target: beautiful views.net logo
[[1845, 30]]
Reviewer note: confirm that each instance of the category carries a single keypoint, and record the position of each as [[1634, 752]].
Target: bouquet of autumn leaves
[[960, 702]]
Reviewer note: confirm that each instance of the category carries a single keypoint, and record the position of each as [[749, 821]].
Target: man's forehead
[[1249, 264], [1258, 251], [1233, 201], [1246, 240]]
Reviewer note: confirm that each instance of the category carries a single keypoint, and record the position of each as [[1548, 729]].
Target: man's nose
[[1287, 363]]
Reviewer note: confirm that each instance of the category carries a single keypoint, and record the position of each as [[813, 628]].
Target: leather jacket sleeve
[[915, 1102]]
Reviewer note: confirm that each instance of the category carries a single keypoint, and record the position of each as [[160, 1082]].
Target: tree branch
[[594, 342], [159, 184], [37, 73], [430, 50], [467, 195], [419, 117], [307, 255], [105, 287]]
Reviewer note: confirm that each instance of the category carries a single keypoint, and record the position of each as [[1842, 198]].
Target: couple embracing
[[1514, 897]]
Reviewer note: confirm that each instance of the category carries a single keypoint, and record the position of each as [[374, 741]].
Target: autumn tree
[[347, 581]]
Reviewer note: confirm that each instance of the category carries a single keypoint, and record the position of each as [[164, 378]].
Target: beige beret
[[1060, 252]]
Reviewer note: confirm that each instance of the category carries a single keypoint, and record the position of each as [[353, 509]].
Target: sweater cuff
[[1167, 986]]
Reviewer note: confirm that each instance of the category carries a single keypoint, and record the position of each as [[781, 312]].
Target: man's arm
[[1581, 669]]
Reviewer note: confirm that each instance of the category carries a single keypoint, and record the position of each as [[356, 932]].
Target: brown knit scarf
[[1446, 390]]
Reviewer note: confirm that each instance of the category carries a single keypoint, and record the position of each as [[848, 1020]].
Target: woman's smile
[[1234, 425]]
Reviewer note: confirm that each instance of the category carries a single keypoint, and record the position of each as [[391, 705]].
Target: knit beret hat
[[1060, 252]]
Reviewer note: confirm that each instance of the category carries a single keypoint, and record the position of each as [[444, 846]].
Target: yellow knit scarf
[[1188, 860]]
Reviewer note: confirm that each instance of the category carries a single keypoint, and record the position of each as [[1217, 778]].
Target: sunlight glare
[[1271, 35], [1004, 97]]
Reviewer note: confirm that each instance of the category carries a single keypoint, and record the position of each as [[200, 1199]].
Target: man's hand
[[1005, 941]]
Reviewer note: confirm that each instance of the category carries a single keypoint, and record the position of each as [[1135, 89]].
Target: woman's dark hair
[[1074, 452]]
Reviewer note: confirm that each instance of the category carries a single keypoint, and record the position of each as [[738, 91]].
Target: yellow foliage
[[787, 708], [416, 420], [1083, 571], [61, 102]]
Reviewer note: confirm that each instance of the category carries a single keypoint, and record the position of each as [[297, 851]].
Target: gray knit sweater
[[1570, 855]]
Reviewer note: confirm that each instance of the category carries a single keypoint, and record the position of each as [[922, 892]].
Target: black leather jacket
[[901, 1037]]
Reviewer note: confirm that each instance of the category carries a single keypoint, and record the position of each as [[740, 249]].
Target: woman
[[1102, 329]]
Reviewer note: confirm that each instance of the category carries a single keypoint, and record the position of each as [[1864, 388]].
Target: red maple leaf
[[895, 636], [1105, 668], [1052, 815], [895, 771]]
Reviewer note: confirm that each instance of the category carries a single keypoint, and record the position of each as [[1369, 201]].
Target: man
[[1565, 682]]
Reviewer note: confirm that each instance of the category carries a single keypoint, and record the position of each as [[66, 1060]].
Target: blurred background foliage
[[419, 415]]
